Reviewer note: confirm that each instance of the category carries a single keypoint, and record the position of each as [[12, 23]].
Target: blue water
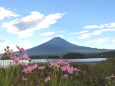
[[76, 60]]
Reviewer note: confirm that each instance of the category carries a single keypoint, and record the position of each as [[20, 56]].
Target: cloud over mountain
[[25, 26]]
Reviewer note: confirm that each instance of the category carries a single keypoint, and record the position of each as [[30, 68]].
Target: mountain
[[59, 46]]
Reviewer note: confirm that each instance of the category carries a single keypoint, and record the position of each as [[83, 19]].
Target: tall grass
[[89, 75]]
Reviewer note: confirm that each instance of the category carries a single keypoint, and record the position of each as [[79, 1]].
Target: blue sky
[[29, 23]]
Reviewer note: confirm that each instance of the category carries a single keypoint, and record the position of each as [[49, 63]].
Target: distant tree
[[108, 54], [35, 57], [73, 56]]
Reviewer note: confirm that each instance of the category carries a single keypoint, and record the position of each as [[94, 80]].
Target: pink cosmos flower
[[24, 64], [75, 69], [12, 57], [25, 56], [64, 66], [8, 51], [58, 63], [16, 60], [21, 49], [47, 79], [41, 67], [23, 78], [29, 68], [69, 69]]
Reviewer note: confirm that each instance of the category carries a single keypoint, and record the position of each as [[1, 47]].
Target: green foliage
[[90, 75], [10, 75]]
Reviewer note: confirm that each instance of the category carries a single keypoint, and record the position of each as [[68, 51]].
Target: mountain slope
[[58, 46]]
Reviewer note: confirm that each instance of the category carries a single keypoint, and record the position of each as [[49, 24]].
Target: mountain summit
[[58, 46]]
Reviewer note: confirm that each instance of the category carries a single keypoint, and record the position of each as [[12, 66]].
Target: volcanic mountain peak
[[58, 46], [58, 40]]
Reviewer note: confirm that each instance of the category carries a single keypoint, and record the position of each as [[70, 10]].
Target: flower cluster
[[41, 67], [28, 68], [17, 58], [69, 69], [8, 51], [63, 66], [21, 49]]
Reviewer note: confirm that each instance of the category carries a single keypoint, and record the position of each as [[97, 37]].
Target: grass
[[89, 75]]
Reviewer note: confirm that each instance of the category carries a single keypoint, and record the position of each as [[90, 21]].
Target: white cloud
[[80, 32], [100, 26], [4, 13], [93, 26], [110, 25], [102, 40], [83, 36], [47, 33], [60, 36], [25, 26], [98, 32]]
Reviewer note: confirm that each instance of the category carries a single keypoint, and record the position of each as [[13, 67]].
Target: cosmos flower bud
[[7, 47]]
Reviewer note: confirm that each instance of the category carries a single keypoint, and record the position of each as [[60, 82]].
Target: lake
[[88, 60], [76, 60]]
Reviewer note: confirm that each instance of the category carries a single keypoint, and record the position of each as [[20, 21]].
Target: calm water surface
[[90, 60], [76, 60]]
